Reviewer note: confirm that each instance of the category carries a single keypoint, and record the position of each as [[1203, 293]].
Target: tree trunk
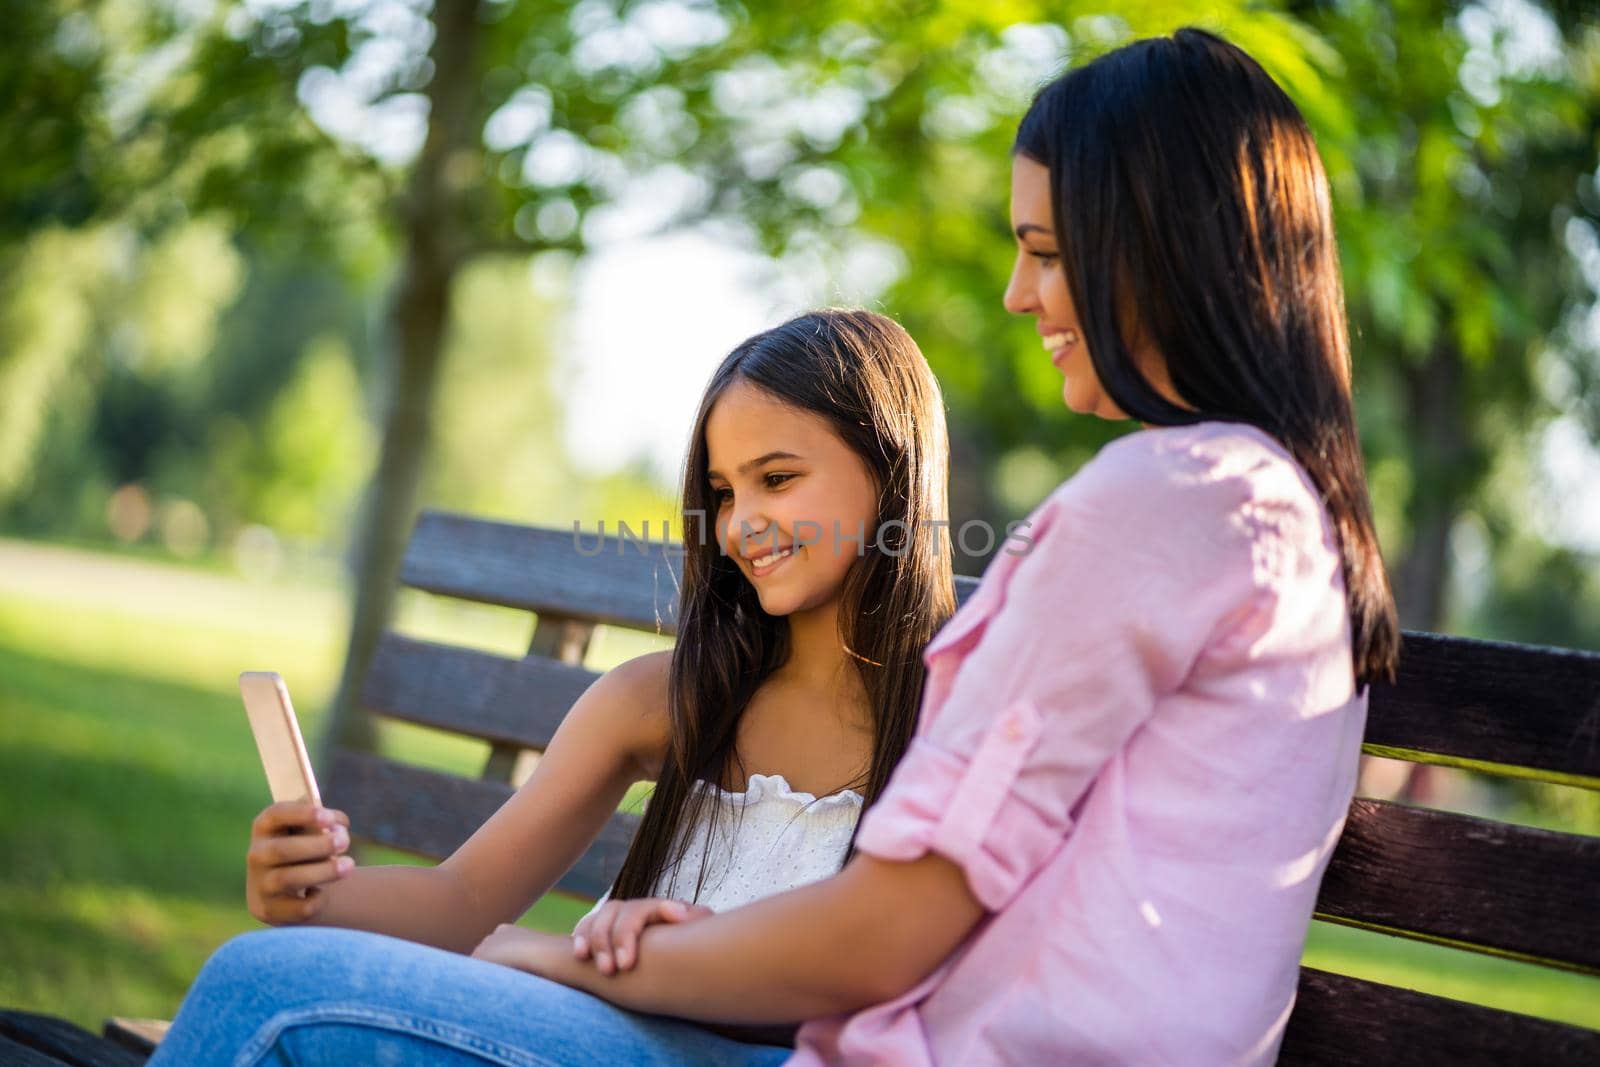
[[415, 327], [1441, 467]]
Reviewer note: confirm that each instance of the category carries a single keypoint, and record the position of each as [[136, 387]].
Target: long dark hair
[[1190, 200], [865, 375]]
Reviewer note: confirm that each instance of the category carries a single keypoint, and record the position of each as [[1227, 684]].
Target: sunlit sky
[[651, 320]]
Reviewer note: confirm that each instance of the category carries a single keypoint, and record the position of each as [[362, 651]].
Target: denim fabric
[[306, 996]]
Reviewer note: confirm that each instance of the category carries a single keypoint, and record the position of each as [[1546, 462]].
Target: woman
[[1140, 738]]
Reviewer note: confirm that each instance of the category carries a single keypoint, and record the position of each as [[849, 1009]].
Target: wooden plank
[[28, 1038], [515, 702], [610, 580], [511, 702], [560, 638], [1340, 1021], [546, 570], [1508, 709], [1458, 880], [431, 814], [137, 1035], [554, 638]]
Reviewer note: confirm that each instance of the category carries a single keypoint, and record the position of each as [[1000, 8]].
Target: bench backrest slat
[[1340, 1021], [605, 580], [1508, 709], [556, 638], [515, 702], [1470, 882], [432, 814], [544, 570]]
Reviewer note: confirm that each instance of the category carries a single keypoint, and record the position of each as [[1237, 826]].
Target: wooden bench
[[1450, 879]]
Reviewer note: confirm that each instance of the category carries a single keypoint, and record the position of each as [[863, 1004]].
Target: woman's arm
[[864, 936], [615, 735]]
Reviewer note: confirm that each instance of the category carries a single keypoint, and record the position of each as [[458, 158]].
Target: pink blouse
[[1139, 740]]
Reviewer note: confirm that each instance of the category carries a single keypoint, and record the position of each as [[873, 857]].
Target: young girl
[[1139, 738], [789, 696]]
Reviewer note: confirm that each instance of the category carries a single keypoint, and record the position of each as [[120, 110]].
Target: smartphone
[[283, 750]]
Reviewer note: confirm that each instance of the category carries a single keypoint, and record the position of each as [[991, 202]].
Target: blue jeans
[[304, 996]]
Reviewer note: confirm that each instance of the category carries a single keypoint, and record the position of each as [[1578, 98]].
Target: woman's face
[[780, 480], [1038, 287]]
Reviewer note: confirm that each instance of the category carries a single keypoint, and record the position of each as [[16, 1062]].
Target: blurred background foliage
[[273, 273], [240, 237]]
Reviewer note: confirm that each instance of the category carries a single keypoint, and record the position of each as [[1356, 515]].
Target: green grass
[[1447, 972], [128, 779], [128, 776], [128, 803]]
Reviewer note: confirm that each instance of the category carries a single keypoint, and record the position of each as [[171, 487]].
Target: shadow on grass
[[88, 968], [117, 822], [118, 780]]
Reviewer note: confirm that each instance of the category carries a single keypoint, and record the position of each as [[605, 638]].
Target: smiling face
[[779, 479], [1038, 287]]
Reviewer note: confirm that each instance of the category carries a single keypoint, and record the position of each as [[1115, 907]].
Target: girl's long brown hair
[[865, 375], [1189, 197]]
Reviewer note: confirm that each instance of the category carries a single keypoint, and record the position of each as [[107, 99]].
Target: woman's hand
[[295, 849], [611, 935]]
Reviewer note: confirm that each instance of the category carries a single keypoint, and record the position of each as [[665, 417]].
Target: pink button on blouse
[[1139, 740]]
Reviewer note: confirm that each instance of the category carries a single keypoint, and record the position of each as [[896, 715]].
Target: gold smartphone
[[283, 750]]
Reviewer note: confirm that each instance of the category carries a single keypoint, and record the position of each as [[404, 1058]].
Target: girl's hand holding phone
[[296, 847], [611, 935]]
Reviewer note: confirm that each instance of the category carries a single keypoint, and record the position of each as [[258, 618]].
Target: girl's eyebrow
[[1024, 229], [757, 462]]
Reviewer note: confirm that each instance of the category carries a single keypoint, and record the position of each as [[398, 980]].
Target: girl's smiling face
[[1038, 287], [780, 479]]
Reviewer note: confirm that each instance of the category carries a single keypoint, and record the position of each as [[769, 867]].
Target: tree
[[116, 256], [802, 125], [1476, 141], [872, 138]]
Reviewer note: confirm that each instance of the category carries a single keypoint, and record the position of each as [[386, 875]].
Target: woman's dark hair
[[1192, 210], [865, 375]]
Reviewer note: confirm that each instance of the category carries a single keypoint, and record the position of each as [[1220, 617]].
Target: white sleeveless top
[[770, 839]]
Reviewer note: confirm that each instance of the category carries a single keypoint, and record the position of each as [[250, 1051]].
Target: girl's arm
[[615, 735], [864, 936]]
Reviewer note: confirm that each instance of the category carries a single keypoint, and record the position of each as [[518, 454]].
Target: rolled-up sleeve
[[1106, 611]]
